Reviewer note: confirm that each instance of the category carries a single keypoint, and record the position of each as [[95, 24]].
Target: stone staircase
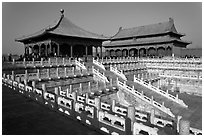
[[152, 99], [160, 92], [173, 106]]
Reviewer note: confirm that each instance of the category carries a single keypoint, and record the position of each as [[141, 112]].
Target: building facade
[[160, 39]]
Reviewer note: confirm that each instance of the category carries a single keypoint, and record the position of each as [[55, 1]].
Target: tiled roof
[[152, 29], [64, 27], [135, 42], [38, 33]]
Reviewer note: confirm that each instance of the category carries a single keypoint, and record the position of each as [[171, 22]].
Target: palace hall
[[160, 39], [62, 38]]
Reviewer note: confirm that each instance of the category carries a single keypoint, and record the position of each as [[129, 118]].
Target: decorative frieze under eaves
[[46, 42], [143, 46], [78, 42]]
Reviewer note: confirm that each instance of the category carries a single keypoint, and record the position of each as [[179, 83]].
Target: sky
[[20, 19]]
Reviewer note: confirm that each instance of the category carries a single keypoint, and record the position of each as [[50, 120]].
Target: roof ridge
[[146, 25], [120, 28], [82, 28], [43, 30], [66, 19], [54, 27]]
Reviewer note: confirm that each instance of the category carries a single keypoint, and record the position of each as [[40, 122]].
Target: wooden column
[[46, 50], [50, 48], [39, 50], [96, 53], [28, 50], [127, 53], [32, 49], [58, 50], [107, 53], [54, 51], [146, 51], [101, 52], [86, 50], [25, 48], [166, 52], [71, 51], [156, 51]]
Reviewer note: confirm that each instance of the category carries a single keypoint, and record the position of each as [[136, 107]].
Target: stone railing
[[136, 59], [162, 63], [175, 66], [161, 92], [179, 60], [86, 87], [30, 76], [179, 76], [43, 63], [105, 106], [117, 72], [99, 64], [71, 104], [109, 119], [130, 66], [120, 60], [148, 76], [100, 75], [161, 122], [48, 74], [50, 63], [79, 64], [139, 126], [150, 101]]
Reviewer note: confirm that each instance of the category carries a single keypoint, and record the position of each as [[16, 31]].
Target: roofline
[[58, 23], [180, 34], [120, 28], [22, 40], [46, 32], [182, 41], [105, 39], [29, 37]]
